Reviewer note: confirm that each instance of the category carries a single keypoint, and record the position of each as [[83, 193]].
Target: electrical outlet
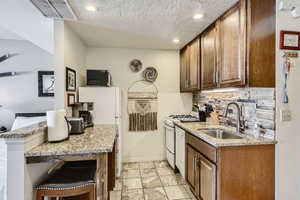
[[286, 115]]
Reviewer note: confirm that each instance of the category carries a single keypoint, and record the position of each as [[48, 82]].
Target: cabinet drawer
[[207, 150]]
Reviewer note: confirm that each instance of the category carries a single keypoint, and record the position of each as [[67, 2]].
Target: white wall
[[287, 150], [20, 93], [74, 54], [142, 146], [7, 35], [69, 52], [22, 18], [59, 64]]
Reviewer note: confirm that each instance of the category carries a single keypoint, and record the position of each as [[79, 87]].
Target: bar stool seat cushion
[[68, 178]]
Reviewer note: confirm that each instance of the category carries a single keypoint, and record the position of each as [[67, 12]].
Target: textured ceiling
[[144, 23]]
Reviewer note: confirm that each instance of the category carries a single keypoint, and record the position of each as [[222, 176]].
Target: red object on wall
[[284, 39]]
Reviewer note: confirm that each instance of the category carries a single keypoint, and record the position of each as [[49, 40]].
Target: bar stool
[[73, 181]]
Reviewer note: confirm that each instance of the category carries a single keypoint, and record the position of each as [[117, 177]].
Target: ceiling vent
[[57, 9]]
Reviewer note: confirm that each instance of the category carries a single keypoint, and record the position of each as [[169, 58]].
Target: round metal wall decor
[[150, 74], [136, 65]]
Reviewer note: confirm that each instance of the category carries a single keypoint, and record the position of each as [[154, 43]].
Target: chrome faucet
[[240, 124]]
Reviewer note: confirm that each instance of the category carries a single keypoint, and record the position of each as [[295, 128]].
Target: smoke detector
[[57, 9]]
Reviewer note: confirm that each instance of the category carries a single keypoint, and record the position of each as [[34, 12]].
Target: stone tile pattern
[[258, 107], [150, 181]]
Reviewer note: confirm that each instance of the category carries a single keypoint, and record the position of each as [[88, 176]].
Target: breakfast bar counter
[[97, 143], [98, 139]]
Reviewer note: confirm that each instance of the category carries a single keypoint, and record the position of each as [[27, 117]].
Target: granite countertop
[[98, 139], [193, 128], [25, 132]]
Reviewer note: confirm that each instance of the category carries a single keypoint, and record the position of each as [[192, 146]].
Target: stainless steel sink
[[220, 134]]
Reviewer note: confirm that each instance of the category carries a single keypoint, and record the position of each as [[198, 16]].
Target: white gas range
[[175, 140], [181, 118]]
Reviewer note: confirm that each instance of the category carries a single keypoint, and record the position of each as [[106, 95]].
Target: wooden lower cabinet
[[201, 174], [238, 173], [111, 169], [191, 156], [207, 175]]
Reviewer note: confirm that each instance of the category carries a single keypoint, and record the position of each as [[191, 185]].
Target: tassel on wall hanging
[[288, 64], [142, 107]]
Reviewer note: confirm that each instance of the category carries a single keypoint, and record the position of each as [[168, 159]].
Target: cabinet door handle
[[198, 162], [194, 162], [216, 77]]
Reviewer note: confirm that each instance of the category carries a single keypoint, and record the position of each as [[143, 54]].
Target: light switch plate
[[285, 115]]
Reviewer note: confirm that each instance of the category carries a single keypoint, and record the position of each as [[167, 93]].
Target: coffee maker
[[86, 114]]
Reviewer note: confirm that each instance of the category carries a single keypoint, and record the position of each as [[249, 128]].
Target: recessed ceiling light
[[198, 16], [176, 40], [91, 8]]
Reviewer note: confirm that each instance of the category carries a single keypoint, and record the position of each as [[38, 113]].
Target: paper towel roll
[[57, 126]]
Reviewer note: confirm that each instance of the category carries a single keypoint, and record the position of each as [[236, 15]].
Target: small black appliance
[[98, 78], [87, 118]]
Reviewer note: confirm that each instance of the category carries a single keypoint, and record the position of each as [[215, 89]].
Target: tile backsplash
[[258, 107]]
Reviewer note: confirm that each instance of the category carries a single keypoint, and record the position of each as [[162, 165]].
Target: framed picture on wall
[[290, 40], [70, 80], [71, 99], [46, 83]]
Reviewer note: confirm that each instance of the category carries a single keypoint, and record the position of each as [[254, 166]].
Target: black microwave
[[98, 78]]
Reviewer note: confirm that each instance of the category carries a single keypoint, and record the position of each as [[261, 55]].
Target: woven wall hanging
[[142, 107]]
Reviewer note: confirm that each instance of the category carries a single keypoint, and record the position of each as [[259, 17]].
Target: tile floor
[[150, 181]]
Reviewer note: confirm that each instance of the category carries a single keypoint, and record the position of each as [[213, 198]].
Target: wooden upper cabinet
[[190, 67], [184, 65], [194, 68], [232, 47], [237, 50], [261, 42], [209, 58]]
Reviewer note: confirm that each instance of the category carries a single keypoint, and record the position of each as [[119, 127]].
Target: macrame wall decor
[[142, 106]]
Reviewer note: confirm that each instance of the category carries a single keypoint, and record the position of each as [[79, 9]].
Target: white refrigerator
[[106, 110]]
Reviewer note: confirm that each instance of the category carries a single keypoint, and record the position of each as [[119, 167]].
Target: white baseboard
[[144, 158]]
